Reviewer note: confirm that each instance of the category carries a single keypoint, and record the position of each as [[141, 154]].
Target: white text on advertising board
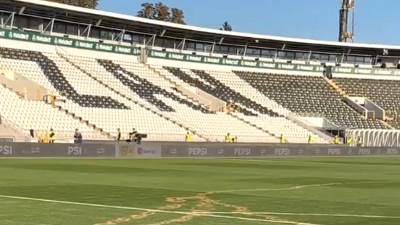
[[43, 39], [20, 36], [6, 150], [197, 151], [282, 151], [242, 151], [74, 150]]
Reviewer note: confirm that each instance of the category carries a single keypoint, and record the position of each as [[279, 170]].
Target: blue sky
[[376, 20]]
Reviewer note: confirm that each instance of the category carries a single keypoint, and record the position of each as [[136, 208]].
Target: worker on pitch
[[336, 140], [283, 140], [188, 137], [119, 135], [310, 139], [52, 136], [77, 137], [350, 140], [230, 139]]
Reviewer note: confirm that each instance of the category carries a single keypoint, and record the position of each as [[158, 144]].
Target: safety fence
[[180, 149]]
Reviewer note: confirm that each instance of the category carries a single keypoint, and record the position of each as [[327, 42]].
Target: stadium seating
[[172, 106], [385, 93], [57, 79], [186, 111], [108, 92], [106, 118], [308, 96], [40, 117], [254, 113], [145, 89]]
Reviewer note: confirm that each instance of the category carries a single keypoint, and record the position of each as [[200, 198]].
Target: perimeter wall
[[180, 150]]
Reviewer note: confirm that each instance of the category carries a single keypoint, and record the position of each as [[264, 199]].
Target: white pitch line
[[292, 188], [310, 214], [276, 189], [208, 214], [203, 214]]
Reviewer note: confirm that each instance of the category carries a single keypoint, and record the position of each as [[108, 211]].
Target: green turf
[[351, 186]]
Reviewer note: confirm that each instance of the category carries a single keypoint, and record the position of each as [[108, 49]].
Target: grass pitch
[[303, 191]]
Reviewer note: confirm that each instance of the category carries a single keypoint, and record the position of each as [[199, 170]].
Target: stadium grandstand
[[110, 119], [65, 68]]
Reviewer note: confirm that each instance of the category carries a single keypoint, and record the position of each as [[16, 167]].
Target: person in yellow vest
[[282, 139], [235, 139], [310, 139], [228, 138], [53, 100], [188, 137], [350, 140], [336, 141], [44, 138], [40, 138]]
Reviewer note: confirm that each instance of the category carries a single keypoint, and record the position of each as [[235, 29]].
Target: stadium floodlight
[[346, 11]]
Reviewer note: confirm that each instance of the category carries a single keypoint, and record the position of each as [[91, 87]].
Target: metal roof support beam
[[309, 56], [163, 32], [212, 48], [154, 40], [245, 50], [99, 22], [183, 44], [341, 60], [221, 40], [151, 40], [52, 25], [121, 36], [49, 25], [376, 60], [87, 30], [10, 19], [147, 42], [21, 10]]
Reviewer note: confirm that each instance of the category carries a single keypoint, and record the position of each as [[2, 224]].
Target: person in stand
[[77, 137], [188, 137], [336, 141], [52, 136], [228, 138], [350, 140], [235, 139], [40, 138], [133, 135], [46, 138], [118, 135], [309, 141], [282, 139], [32, 133]]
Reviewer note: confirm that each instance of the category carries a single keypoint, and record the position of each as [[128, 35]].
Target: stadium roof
[[205, 34]]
